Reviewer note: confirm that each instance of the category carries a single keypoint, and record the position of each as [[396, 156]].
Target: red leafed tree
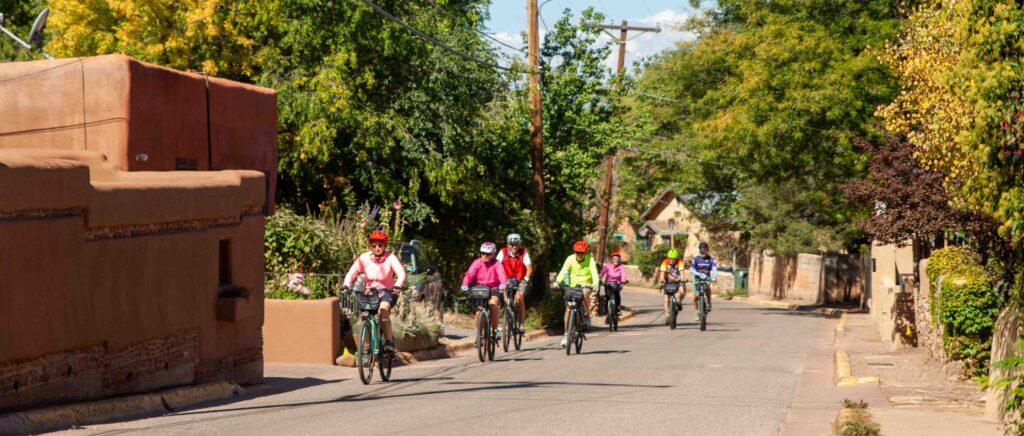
[[910, 203]]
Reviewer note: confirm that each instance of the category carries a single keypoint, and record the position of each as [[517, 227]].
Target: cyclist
[[703, 266], [672, 272], [518, 266], [384, 274], [614, 271], [487, 271], [580, 269]]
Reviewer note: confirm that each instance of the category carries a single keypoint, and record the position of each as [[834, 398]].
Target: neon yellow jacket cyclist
[[579, 272]]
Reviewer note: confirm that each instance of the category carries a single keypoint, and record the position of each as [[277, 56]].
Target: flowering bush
[[305, 256]]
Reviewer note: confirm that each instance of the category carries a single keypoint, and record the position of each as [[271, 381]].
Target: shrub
[[417, 320], [297, 243], [949, 260], [649, 261], [968, 308]]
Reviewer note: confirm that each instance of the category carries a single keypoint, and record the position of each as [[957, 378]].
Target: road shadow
[[599, 352], [810, 312], [371, 396]]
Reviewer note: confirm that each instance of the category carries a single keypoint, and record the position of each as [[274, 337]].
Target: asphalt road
[[736, 378]]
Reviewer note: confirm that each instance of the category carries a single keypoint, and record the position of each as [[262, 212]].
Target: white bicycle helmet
[[488, 248], [514, 238]]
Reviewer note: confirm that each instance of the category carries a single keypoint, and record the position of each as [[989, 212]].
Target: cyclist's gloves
[[502, 286], [464, 288]]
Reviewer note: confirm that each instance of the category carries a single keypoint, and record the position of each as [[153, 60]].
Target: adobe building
[[132, 206]]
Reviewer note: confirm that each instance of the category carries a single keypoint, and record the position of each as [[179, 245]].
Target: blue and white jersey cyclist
[[704, 267]]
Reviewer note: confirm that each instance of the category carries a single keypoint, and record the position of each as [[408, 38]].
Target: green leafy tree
[[761, 110], [18, 18]]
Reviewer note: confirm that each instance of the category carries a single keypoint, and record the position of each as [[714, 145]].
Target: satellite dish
[[35, 37]]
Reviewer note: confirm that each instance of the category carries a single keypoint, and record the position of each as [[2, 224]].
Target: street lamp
[[35, 36]]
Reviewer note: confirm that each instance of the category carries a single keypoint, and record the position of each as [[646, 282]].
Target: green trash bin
[[740, 281]]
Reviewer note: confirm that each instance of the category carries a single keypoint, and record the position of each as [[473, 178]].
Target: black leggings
[[617, 296]]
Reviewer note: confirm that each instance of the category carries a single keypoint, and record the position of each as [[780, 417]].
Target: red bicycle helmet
[[615, 254], [580, 247], [379, 235]]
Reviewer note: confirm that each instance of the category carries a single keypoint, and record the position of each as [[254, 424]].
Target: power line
[[431, 39], [485, 34]]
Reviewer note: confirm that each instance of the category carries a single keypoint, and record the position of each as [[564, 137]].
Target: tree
[[910, 202], [18, 18], [763, 107]]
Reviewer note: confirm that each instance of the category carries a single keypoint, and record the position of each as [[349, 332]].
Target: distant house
[[667, 221]]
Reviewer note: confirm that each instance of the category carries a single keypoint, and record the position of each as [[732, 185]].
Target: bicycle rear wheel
[[364, 354], [518, 337], [702, 311], [673, 313], [482, 333]]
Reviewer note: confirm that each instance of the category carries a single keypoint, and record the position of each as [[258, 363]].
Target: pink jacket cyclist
[[488, 273], [380, 271], [611, 272]]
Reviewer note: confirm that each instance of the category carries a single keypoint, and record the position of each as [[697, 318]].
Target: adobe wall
[[806, 278], [892, 301], [142, 117], [111, 279]]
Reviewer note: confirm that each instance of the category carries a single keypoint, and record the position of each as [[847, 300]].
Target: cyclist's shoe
[[565, 341], [586, 321], [696, 317], [389, 346], [494, 335], [666, 319]]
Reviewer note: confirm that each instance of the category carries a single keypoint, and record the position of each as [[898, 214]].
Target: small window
[[224, 255], [671, 224], [621, 237]]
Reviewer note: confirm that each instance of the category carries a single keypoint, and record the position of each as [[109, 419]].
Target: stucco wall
[[142, 117], [110, 285], [807, 278]]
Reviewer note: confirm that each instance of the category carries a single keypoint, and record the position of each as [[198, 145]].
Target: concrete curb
[[115, 409], [844, 375]]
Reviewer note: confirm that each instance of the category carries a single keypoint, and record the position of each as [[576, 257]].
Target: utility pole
[[536, 128], [536, 140], [609, 162]]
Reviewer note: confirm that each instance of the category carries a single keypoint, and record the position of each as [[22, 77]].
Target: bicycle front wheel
[[570, 332], [491, 342], [673, 314], [364, 353], [506, 332], [579, 334], [702, 311], [613, 322], [482, 326]]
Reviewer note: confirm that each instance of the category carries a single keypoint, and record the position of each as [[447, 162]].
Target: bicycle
[[674, 305], [370, 348], [701, 290], [511, 330], [575, 329], [611, 290], [485, 342]]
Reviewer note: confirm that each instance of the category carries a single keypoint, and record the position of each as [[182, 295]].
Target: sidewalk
[[919, 398]]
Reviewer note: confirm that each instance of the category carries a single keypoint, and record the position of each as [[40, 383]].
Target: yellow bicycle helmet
[[673, 254]]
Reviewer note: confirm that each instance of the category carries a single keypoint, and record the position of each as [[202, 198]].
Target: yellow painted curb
[[844, 375], [841, 325]]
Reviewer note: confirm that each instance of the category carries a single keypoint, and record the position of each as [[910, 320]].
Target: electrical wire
[[485, 34], [434, 41]]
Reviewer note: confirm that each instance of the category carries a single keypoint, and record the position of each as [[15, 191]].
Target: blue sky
[[508, 20]]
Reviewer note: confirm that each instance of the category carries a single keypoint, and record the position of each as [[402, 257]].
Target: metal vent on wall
[[185, 164]]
